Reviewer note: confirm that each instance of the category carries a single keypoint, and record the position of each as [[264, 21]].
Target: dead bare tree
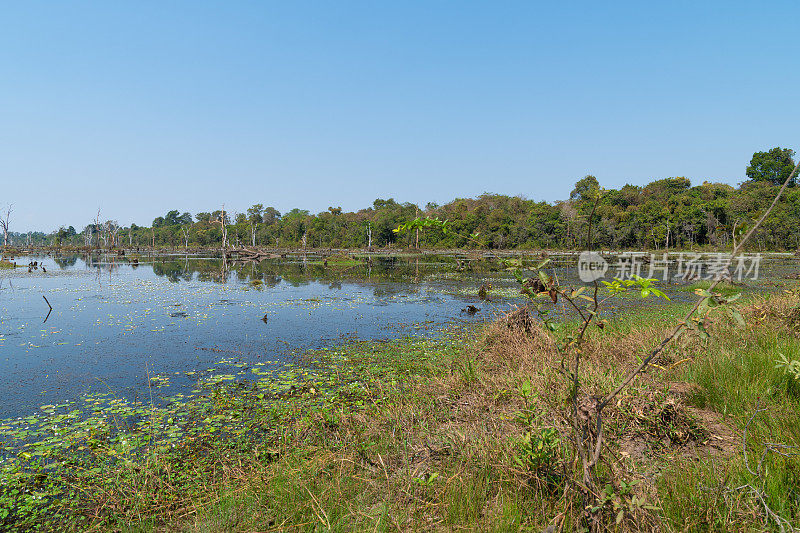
[[96, 227], [253, 227], [185, 231], [4, 223], [110, 231]]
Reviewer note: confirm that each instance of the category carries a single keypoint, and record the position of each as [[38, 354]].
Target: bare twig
[[782, 523], [744, 441]]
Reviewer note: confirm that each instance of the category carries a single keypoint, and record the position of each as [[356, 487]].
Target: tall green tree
[[254, 213], [586, 189], [773, 166]]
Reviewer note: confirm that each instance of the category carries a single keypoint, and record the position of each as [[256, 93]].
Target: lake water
[[114, 325], [117, 326]]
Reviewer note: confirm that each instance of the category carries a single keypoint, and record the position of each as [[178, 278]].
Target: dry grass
[[373, 468], [478, 438]]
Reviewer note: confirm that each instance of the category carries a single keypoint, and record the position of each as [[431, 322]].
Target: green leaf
[[703, 308], [737, 317], [544, 277]]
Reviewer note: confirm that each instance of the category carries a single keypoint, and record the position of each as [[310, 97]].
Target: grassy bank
[[468, 432]]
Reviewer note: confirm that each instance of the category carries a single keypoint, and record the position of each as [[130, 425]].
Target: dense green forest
[[666, 213]]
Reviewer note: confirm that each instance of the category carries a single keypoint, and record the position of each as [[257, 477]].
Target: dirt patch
[[671, 427], [681, 388], [721, 438]]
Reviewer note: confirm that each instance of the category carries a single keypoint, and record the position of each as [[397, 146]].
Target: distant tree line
[[666, 213]]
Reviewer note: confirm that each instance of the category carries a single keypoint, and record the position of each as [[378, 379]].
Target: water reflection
[[115, 317]]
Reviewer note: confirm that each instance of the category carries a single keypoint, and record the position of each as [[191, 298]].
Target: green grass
[[735, 376], [420, 435], [724, 288]]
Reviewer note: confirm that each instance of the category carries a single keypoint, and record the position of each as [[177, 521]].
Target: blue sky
[[140, 107]]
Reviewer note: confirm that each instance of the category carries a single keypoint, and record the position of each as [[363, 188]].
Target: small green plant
[[426, 479], [469, 371], [537, 451], [330, 418], [712, 302], [790, 366], [527, 416], [622, 501], [421, 224]]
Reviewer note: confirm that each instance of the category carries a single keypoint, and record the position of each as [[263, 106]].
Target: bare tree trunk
[[97, 226], [224, 229], [666, 238], [4, 223]]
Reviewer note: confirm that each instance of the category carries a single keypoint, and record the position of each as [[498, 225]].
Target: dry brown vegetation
[[451, 449]]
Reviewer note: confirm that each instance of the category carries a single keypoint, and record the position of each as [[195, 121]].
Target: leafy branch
[[445, 226]]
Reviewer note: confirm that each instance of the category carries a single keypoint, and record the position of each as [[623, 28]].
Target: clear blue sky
[[141, 107]]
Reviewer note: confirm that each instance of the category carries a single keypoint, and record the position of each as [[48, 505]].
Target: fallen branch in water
[[48, 305]]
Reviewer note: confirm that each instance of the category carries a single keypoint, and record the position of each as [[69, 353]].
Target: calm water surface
[[115, 324]]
